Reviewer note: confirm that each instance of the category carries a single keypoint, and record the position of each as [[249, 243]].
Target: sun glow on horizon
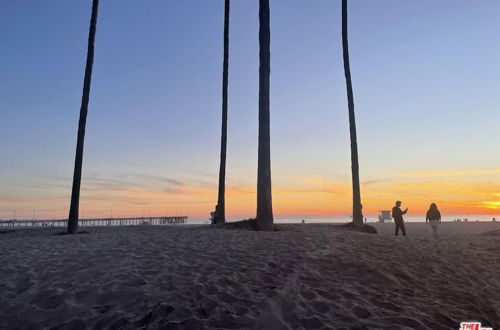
[[317, 195]]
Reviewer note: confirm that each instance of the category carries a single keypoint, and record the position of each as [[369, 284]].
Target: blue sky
[[427, 92]]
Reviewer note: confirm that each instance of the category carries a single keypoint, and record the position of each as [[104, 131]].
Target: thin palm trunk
[[357, 216], [264, 198], [77, 174], [220, 215]]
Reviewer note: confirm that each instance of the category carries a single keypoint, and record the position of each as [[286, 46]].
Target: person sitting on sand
[[397, 214], [433, 216]]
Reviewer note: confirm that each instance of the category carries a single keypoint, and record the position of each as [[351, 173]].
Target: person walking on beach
[[397, 214], [433, 216]]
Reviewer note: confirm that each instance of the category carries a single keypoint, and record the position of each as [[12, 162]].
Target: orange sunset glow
[[455, 191]]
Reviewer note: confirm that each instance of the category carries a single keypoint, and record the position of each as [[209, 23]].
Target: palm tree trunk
[[264, 198], [220, 214], [77, 174], [357, 216]]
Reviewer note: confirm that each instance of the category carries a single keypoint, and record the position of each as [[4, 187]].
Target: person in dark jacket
[[397, 214], [433, 216]]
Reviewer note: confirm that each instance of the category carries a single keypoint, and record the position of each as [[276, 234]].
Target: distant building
[[384, 215]]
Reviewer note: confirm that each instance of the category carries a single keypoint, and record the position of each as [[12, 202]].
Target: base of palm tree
[[364, 228], [60, 233], [248, 224]]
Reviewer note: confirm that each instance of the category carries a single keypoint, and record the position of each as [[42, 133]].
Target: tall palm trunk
[[220, 214], [264, 198], [357, 216], [77, 174]]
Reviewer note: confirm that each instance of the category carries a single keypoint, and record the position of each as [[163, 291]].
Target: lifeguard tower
[[384, 215]]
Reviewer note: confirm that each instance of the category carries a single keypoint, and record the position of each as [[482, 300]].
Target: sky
[[426, 78]]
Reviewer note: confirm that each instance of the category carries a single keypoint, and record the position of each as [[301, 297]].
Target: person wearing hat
[[397, 214]]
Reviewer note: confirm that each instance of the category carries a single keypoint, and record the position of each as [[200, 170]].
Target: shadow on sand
[[248, 224], [251, 224], [362, 229]]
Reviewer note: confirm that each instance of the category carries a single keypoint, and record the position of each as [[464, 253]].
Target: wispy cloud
[[494, 205], [153, 178], [447, 173], [136, 194], [373, 182]]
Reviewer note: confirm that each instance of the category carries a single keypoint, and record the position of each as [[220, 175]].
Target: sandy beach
[[301, 277]]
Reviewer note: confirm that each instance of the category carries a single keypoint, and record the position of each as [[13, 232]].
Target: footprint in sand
[[320, 306], [311, 323], [309, 295], [361, 312]]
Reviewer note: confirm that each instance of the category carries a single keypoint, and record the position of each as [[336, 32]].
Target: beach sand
[[301, 277]]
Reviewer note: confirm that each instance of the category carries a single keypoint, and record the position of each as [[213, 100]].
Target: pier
[[97, 222]]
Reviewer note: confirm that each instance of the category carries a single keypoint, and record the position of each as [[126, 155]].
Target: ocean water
[[284, 220], [369, 219], [417, 218]]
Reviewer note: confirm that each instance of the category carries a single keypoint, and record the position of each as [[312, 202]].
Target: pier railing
[[98, 222]]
